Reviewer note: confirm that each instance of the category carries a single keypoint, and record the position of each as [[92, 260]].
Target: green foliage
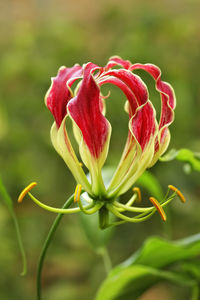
[[151, 184], [157, 260], [184, 155], [7, 199], [5, 196]]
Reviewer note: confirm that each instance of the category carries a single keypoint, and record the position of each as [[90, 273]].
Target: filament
[[132, 200], [138, 191], [58, 210], [129, 219], [92, 208], [132, 208]]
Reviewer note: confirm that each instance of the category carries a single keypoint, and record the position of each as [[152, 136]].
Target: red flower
[[147, 139]]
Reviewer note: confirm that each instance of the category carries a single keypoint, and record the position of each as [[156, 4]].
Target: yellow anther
[[179, 194], [25, 191], [139, 196], [77, 193], [81, 164], [159, 208]]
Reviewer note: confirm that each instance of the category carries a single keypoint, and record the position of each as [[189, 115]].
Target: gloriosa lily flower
[[84, 104]]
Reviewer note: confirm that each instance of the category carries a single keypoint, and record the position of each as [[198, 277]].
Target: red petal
[[116, 60], [144, 124], [167, 97], [59, 94], [166, 91], [130, 84], [85, 111]]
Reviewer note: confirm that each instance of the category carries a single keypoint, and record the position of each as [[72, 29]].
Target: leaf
[[5, 196], [184, 155], [146, 267], [158, 252], [8, 201], [192, 268], [150, 182], [171, 155], [134, 280]]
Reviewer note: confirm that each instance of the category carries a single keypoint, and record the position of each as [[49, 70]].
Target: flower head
[[75, 93], [84, 104]]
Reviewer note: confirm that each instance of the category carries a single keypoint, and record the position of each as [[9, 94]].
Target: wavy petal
[[132, 86], [137, 95], [59, 92], [117, 60], [143, 127], [168, 105]]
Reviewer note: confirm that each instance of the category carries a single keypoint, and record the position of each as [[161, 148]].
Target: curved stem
[[21, 247], [8, 201], [106, 259], [47, 243], [58, 210]]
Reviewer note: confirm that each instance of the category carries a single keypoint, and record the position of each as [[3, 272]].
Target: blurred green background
[[36, 38]]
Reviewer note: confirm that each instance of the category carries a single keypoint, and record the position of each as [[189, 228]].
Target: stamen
[[92, 209], [139, 196], [25, 191], [81, 164], [159, 208], [77, 193], [57, 210], [178, 192], [137, 219]]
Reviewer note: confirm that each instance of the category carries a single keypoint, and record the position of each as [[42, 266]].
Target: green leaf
[[193, 268], [184, 155], [130, 283], [151, 184], [158, 252], [146, 267], [8, 201], [5, 196]]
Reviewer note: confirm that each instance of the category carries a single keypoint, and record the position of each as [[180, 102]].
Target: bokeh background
[[36, 38]]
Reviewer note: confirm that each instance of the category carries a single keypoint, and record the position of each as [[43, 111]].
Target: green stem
[[47, 243], [106, 259], [21, 247], [8, 201], [195, 293]]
